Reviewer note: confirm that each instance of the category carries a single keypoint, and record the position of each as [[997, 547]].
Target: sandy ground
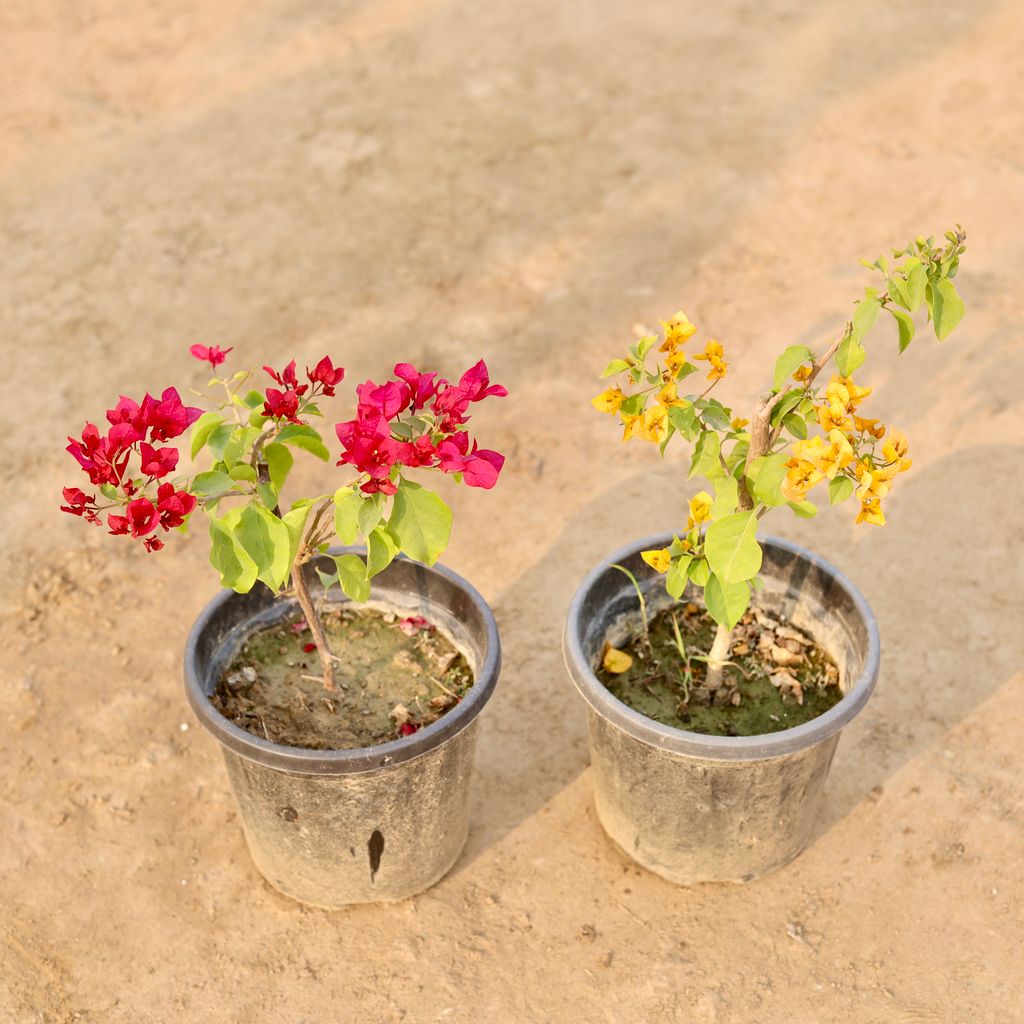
[[438, 180]]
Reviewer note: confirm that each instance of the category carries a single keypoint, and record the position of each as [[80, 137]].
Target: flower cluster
[[848, 449], [135, 430], [416, 421], [653, 422]]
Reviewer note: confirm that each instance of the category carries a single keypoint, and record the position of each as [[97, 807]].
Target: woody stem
[[313, 620], [718, 656]]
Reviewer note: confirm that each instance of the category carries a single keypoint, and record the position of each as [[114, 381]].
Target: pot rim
[[721, 748], [304, 761]]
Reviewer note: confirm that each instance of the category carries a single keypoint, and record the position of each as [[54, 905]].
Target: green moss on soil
[[748, 703], [273, 687]]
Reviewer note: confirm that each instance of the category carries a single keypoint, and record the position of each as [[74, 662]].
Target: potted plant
[[343, 683], [719, 666]]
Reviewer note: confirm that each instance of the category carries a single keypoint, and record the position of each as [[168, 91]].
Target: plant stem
[[718, 656], [315, 625]]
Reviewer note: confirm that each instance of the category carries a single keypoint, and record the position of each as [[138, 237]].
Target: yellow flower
[[872, 427], [700, 509], [714, 355], [802, 373], [739, 423], [677, 329], [843, 393], [616, 661], [669, 396], [895, 450], [829, 419], [871, 512], [608, 401], [633, 426], [675, 361], [659, 561], [824, 459], [801, 476], [874, 481], [655, 424]]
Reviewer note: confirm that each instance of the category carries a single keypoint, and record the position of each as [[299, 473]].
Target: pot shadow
[[944, 633]]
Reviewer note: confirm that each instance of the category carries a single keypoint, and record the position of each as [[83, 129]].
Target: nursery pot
[[335, 827], [696, 808]]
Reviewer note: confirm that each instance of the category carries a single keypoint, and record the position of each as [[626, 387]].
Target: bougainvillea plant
[[412, 423], [801, 433]]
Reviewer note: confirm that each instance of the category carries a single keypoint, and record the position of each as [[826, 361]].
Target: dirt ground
[[437, 180]]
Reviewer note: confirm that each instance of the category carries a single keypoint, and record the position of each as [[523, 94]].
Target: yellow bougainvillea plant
[[802, 434]]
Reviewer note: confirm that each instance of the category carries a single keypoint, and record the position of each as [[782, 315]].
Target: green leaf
[[765, 477], [237, 570], [715, 414], [371, 513], [675, 578], [218, 440], [731, 548], [726, 601], [212, 484], [239, 442], [265, 539], [644, 345], [279, 462], [203, 428], [420, 522], [684, 419], [348, 503], [302, 436], [947, 307], [380, 551], [897, 289], [633, 405], [727, 497], [699, 571], [685, 370], [352, 577], [786, 404], [706, 461], [917, 279], [254, 399], [295, 524], [804, 509], [243, 471], [839, 489], [905, 326], [796, 425], [864, 316], [850, 355], [787, 364]]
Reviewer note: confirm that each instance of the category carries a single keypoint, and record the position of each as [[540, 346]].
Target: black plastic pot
[[695, 808], [336, 827]]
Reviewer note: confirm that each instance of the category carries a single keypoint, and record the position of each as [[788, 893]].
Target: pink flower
[[369, 447], [480, 467], [282, 405], [105, 460], [157, 462], [386, 400], [168, 418], [142, 518], [422, 386], [326, 374], [173, 505], [287, 379], [408, 728], [476, 383], [127, 412], [418, 453], [153, 544], [413, 624], [213, 355], [80, 504]]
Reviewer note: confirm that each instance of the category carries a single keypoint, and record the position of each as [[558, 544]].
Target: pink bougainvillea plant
[[410, 423]]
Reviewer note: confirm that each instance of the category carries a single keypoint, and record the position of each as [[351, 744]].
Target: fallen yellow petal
[[616, 661], [659, 561]]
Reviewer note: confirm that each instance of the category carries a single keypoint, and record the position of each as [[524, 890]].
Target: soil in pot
[[777, 678], [393, 676]]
